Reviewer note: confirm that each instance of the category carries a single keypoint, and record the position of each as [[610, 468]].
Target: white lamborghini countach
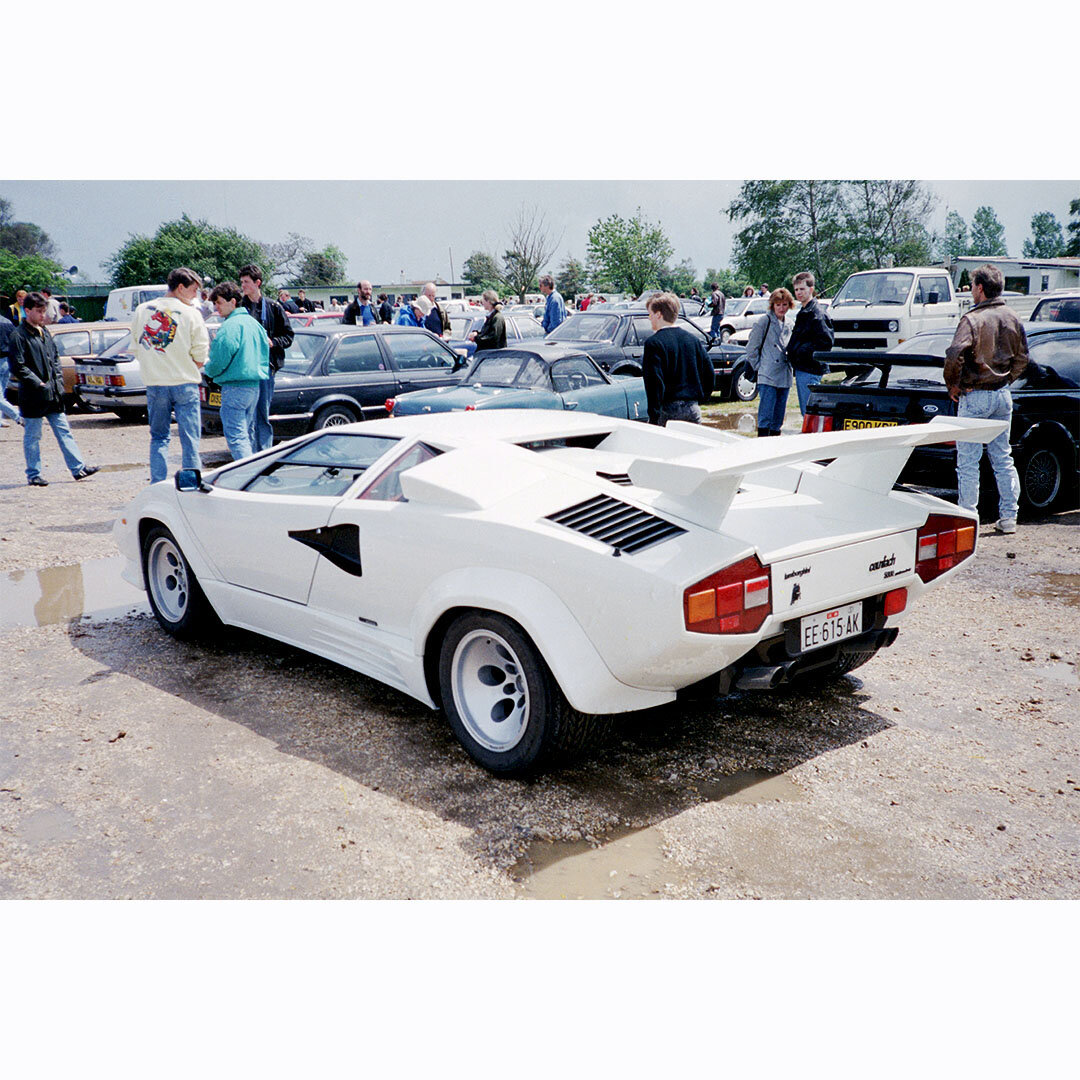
[[533, 573]]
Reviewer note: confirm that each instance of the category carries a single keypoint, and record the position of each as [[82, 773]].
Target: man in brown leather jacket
[[988, 352]]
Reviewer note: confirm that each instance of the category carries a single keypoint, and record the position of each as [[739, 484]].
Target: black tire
[[631, 370], [80, 404], [742, 388], [1043, 479], [176, 598], [130, 415], [333, 416], [489, 666]]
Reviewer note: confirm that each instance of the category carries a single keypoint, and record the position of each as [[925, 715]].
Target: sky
[[394, 230]]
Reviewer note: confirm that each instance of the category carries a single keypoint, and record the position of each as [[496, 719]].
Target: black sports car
[[615, 339], [906, 385], [340, 374]]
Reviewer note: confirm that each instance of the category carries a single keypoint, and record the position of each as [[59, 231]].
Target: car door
[[354, 366], [421, 361], [259, 524], [583, 387], [638, 331]]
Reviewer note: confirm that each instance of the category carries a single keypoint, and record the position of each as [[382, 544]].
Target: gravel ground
[[134, 765]]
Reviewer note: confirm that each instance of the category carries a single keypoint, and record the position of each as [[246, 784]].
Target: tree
[[628, 255], [29, 272], [1072, 248], [326, 267], [791, 225], [730, 285], [23, 237], [1047, 240], [210, 251], [679, 279], [954, 241], [987, 234], [289, 254], [480, 272], [572, 277], [888, 219], [530, 248]]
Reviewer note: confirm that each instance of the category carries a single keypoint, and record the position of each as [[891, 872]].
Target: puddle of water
[[59, 594], [631, 864], [731, 421], [100, 527], [1065, 588]]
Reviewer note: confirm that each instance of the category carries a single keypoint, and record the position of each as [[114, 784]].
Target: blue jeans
[[161, 403], [714, 326], [238, 404], [988, 405], [772, 404], [6, 408], [263, 434], [32, 443], [803, 379]]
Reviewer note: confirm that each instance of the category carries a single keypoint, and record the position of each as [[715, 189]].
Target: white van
[[876, 309], [122, 303]]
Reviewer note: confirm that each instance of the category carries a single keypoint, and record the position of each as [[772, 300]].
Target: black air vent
[[616, 478], [625, 528]]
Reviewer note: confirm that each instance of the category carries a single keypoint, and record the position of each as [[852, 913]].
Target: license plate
[[850, 425], [214, 398], [95, 380], [828, 626]]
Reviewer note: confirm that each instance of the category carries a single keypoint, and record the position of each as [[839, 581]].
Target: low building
[[1030, 277]]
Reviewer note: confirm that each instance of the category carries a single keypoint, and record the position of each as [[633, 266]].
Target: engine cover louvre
[[626, 528]]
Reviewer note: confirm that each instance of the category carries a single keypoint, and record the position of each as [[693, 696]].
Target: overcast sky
[[389, 228]]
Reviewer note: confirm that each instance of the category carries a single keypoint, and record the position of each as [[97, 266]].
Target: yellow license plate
[[850, 425], [95, 380], [214, 398]]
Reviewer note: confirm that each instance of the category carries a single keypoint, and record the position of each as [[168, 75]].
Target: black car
[[615, 339], [340, 374], [906, 385]]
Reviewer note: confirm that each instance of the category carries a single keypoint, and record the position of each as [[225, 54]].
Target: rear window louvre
[[616, 478], [624, 527]]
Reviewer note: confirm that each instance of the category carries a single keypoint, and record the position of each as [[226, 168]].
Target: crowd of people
[[173, 346]]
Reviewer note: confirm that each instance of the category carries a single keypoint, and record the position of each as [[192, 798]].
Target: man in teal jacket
[[239, 362]]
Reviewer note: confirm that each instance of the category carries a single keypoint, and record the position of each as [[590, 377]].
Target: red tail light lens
[[816, 422], [895, 601], [942, 543], [390, 403], [735, 600]]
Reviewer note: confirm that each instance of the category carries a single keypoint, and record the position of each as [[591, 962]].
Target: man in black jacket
[[813, 333], [675, 367], [362, 311], [271, 316], [36, 364]]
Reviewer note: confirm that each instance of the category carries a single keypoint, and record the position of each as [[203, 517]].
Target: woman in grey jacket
[[766, 352]]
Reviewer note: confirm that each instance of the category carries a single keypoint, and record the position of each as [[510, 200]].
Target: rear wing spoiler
[[701, 485], [855, 361]]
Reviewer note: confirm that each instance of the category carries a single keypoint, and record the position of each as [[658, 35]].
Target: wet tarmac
[[93, 590]]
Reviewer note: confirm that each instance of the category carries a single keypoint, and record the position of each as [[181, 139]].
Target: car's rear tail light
[[735, 600], [816, 422], [942, 543], [895, 601], [390, 403], [470, 408], [115, 380]]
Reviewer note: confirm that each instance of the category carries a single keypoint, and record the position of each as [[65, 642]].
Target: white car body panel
[[473, 532]]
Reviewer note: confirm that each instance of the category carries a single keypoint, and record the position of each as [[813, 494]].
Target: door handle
[[570, 404]]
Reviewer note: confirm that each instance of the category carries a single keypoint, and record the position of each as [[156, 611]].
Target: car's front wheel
[[743, 388], [501, 699], [333, 416], [176, 598]]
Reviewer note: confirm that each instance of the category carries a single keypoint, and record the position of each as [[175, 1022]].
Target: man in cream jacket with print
[[172, 344]]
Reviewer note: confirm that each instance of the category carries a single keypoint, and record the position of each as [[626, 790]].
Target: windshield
[[495, 370], [1066, 309], [460, 325], [586, 326], [924, 345], [877, 288], [121, 348], [735, 307]]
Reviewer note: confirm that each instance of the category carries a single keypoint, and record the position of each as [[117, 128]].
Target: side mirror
[[189, 480], [932, 298]]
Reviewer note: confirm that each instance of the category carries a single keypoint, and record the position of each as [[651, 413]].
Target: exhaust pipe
[[762, 678]]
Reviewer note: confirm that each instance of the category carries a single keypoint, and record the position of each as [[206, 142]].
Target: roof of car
[[546, 351], [342, 328]]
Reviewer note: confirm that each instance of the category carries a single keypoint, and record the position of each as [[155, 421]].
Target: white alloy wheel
[[491, 694], [167, 578]]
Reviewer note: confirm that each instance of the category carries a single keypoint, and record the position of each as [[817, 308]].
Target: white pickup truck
[[876, 309]]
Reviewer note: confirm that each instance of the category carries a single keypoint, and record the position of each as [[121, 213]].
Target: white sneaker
[[1005, 526]]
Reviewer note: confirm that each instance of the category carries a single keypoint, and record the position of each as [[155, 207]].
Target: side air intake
[[625, 528]]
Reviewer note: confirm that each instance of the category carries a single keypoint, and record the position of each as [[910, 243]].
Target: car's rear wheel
[[743, 388], [501, 699], [176, 598], [334, 416], [1042, 478], [129, 414]]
